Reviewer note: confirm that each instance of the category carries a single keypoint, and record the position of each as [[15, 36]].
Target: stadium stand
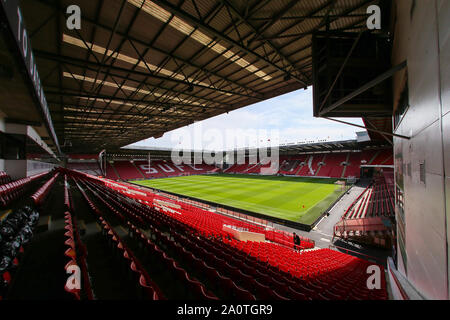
[[376, 200], [86, 167], [192, 249], [152, 171], [313, 268], [74, 156], [17, 225], [353, 167], [238, 168], [144, 284], [4, 178], [332, 167], [364, 217], [289, 166], [161, 169], [76, 252], [383, 157], [40, 195], [191, 169], [111, 172], [13, 190], [72, 100], [311, 165], [126, 170], [261, 270]]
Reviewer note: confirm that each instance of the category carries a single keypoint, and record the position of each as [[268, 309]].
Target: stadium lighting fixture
[[166, 17]]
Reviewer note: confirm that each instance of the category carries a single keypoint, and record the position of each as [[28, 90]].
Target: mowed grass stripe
[[282, 197], [216, 197]]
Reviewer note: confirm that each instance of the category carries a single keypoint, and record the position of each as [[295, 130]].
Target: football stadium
[[93, 206]]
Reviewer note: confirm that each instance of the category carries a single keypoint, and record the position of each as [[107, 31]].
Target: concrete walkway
[[322, 233]]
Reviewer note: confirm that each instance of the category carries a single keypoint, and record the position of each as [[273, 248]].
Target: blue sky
[[283, 119]]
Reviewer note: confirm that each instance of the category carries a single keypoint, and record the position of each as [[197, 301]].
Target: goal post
[[342, 184]]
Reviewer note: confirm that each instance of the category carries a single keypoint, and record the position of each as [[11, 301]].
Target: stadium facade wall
[[36, 167], [422, 164]]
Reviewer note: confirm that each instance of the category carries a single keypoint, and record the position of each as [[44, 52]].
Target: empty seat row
[[76, 252], [4, 178], [40, 195], [376, 200], [13, 190], [319, 274], [193, 287], [260, 289], [122, 212], [147, 289], [211, 224]]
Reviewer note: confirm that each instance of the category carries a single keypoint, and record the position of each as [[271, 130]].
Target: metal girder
[[69, 112], [225, 63], [187, 17], [97, 23], [311, 17], [93, 34], [105, 55], [152, 103], [258, 32], [195, 75], [274, 19], [124, 99], [330, 2], [385, 75], [86, 63], [355, 42], [349, 27], [369, 129], [321, 24], [142, 83], [372, 126]]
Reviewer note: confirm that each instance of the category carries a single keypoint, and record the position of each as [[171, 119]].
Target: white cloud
[[284, 119]]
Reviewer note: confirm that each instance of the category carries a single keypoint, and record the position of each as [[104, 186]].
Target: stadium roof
[[137, 69], [285, 149]]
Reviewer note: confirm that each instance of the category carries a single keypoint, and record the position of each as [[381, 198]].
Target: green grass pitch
[[281, 197]]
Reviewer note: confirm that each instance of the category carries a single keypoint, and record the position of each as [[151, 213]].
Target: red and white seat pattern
[[239, 270]]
